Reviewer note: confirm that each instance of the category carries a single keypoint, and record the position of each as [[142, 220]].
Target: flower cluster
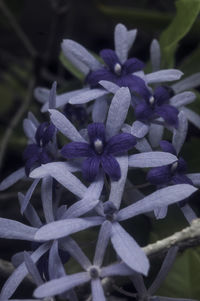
[[92, 169]]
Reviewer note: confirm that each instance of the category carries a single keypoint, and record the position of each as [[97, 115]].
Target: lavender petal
[[189, 82], [160, 76], [121, 42], [179, 134], [97, 290], [139, 129], [109, 86], [155, 55], [28, 195], [12, 179], [151, 159], [47, 198], [116, 269], [32, 269], [155, 134], [193, 117], [182, 99], [102, 242], [87, 96], [100, 109]]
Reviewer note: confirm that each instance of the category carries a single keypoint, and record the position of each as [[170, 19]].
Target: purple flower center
[[94, 272]]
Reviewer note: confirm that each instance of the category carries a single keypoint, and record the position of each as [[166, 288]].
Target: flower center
[[98, 145], [94, 272], [151, 100], [117, 68], [174, 166]]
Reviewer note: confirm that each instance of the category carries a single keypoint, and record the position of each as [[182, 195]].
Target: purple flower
[[37, 153], [118, 73], [76, 114], [99, 151], [170, 174], [157, 105]]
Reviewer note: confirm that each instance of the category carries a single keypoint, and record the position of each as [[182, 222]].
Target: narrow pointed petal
[[138, 282], [121, 42], [47, 202], [61, 285], [139, 129], [151, 159], [179, 134], [189, 213], [195, 178], [80, 53], [61, 173], [189, 82], [11, 229], [155, 55], [128, 250], [182, 99], [164, 270], [119, 107], [55, 266], [160, 76], [32, 269], [28, 195], [100, 109], [87, 96], [97, 290], [117, 187], [102, 242], [116, 269], [155, 134], [143, 146], [193, 117], [65, 126], [159, 198], [65, 227], [20, 273], [75, 251], [109, 86], [12, 179], [111, 167], [29, 129], [52, 96]]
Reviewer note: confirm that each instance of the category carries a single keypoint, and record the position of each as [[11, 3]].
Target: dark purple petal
[[120, 143], [94, 77], [179, 178], [30, 151], [111, 167], [96, 131], [48, 134], [40, 131], [134, 83], [182, 165], [133, 65], [76, 149], [168, 113], [143, 112], [161, 95], [159, 175], [167, 147], [90, 168], [30, 163], [110, 58], [43, 157]]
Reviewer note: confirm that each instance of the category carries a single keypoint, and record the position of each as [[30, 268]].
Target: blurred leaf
[[187, 12], [192, 63], [190, 153], [183, 279], [71, 68]]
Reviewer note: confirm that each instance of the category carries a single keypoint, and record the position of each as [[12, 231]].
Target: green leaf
[[187, 12], [183, 279], [191, 64], [71, 68]]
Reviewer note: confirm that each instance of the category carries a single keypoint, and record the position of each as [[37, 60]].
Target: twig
[[15, 120], [19, 32]]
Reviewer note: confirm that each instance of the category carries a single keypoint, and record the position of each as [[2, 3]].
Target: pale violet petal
[[80, 207], [32, 269], [182, 99], [100, 109], [12, 179], [121, 42], [87, 96], [80, 53], [65, 126], [160, 76], [61, 173], [159, 198], [82, 67], [189, 213], [116, 269], [52, 96], [63, 228], [117, 187], [151, 159], [41, 94], [20, 273], [195, 178], [131, 36], [128, 250], [119, 107], [109, 86], [97, 290], [29, 129], [155, 55], [143, 146], [139, 129], [155, 134], [55, 266], [179, 134], [47, 198], [61, 285], [189, 82], [33, 119], [161, 212], [193, 117], [102, 242], [75, 251], [28, 195], [126, 128]]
